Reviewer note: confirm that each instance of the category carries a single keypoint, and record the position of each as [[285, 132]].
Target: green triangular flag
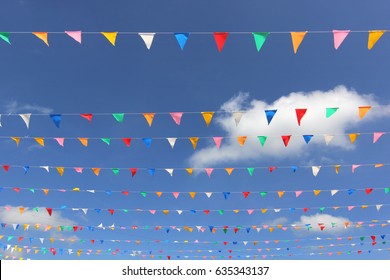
[[69, 228], [322, 209], [62, 228], [251, 170], [125, 210], [362, 238], [115, 171], [333, 224], [36, 209], [330, 111], [221, 212], [119, 117], [143, 194], [262, 140], [5, 37], [106, 140], [260, 38], [263, 194], [32, 190], [387, 190]]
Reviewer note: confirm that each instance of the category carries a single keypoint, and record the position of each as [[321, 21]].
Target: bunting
[[373, 37], [297, 38], [43, 36], [220, 39], [110, 36], [76, 35], [339, 36], [147, 38], [182, 39], [5, 36], [260, 38]]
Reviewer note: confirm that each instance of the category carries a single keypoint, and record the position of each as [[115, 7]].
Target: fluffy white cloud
[[254, 123], [326, 220], [15, 107]]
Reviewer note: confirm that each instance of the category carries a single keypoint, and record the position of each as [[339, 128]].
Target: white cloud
[[15, 107], [326, 220], [254, 123]]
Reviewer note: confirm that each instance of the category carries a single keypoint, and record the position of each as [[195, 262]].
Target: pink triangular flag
[[377, 135], [78, 169], [209, 171], [354, 166], [298, 193], [176, 194], [75, 35], [60, 141], [339, 36], [250, 211], [218, 141], [152, 211], [350, 208], [176, 116]]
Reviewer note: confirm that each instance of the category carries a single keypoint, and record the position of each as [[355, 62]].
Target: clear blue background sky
[[99, 78]]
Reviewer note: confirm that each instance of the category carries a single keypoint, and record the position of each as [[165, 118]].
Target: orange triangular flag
[[316, 192], [159, 194], [40, 141], [189, 171], [194, 141], [207, 116], [60, 170], [110, 36], [45, 191], [363, 111], [42, 36], [16, 139], [373, 37], [280, 194], [229, 170], [84, 141], [297, 38], [337, 168], [192, 194], [96, 170], [21, 210], [353, 136], [149, 118], [241, 140]]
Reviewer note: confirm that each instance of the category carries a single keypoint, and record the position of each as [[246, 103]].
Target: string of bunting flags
[[85, 141], [177, 116], [193, 194], [229, 170], [203, 228], [221, 212], [220, 37]]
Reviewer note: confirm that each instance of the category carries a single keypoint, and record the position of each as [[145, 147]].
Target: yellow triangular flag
[[363, 111], [337, 168], [373, 37], [60, 170], [353, 136], [316, 192], [241, 140], [17, 140], [229, 170], [297, 38], [192, 194], [207, 116], [40, 141], [189, 171], [149, 118], [110, 36], [264, 210], [84, 141], [194, 141], [166, 212], [42, 36], [96, 170]]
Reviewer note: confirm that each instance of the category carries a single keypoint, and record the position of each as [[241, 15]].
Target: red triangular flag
[[286, 139], [87, 116], [49, 210], [246, 194], [220, 39], [300, 113], [6, 167], [127, 141], [111, 211], [133, 171]]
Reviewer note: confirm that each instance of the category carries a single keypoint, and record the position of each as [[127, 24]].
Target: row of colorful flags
[[177, 116], [85, 141], [220, 37], [229, 170]]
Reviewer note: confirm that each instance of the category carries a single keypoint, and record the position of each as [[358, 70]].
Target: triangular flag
[[333, 192], [226, 195], [40, 141], [218, 141], [60, 170], [250, 170], [339, 36], [87, 117], [119, 117], [115, 171], [176, 116], [45, 167], [337, 168], [110, 36], [209, 171], [182, 39], [315, 170], [237, 117], [75, 35], [353, 136], [172, 141], [189, 171], [307, 138], [42, 36], [316, 192], [377, 135], [280, 194], [262, 140], [26, 119], [147, 141], [133, 171], [83, 141], [220, 39], [300, 113], [127, 141], [260, 38], [363, 111], [298, 193], [208, 194], [170, 171], [241, 140], [5, 37], [297, 38], [60, 141], [229, 170], [207, 116], [149, 117], [373, 37], [194, 141], [176, 194], [354, 166], [16, 139], [106, 140], [270, 115], [49, 211], [286, 139], [328, 138], [96, 171], [192, 194], [147, 38], [331, 111]]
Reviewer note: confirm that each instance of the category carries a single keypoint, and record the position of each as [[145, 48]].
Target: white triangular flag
[[41, 239], [237, 117], [333, 192], [172, 141], [245, 242], [148, 39], [199, 227], [0, 121], [45, 167], [14, 226], [378, 207], [100, 226], [8, 246], [70, 251], [179, 211], [170, 171], [85, 210], [277, 210], [315, 170], [26, 119], [258, 229], [209, 194], [91, 191], [328, 138]]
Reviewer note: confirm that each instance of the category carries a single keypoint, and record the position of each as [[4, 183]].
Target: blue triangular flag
[[211, 228], [1, 189], [307, 138], [147, 141], [63, 206], [294, 168], [101, 241], [226, 194], [167, 230], [98, 210], [248, 229], [351, 191], [193, 211], [26, 168], [61, 251], [152, 171], [292, 209], [109, 192], [270, 114], [383, 236], [234, 242], [182, 39], [56, 118], [31, 239]]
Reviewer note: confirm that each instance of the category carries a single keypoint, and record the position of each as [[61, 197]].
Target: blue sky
[[95, 77]]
